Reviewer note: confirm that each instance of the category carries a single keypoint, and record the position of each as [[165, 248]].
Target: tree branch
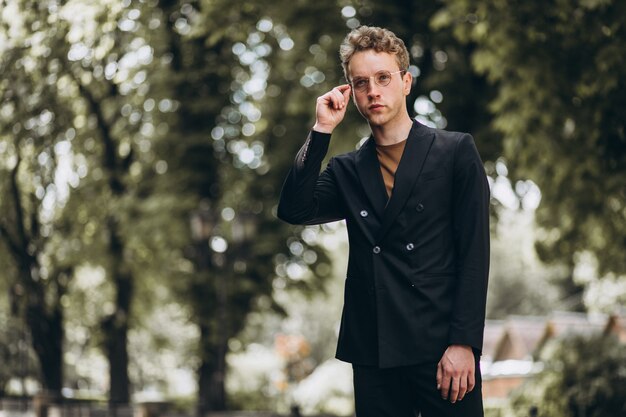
[[11, 243], [34, 218], [19, 210], [110, 160]]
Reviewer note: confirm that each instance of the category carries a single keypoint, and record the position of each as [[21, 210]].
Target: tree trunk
[[46, 328], [36, 300], [115, 326], [45, 324], [211, 373]]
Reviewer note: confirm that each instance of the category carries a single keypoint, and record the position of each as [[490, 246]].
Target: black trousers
[[408, 391]]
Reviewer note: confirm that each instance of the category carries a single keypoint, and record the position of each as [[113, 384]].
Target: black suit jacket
[[418, 266]]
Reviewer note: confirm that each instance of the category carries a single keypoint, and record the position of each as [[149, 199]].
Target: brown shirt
[[389, 158]]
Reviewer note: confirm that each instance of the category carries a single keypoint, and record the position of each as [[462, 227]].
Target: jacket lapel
[[411, 163], [368, 170]]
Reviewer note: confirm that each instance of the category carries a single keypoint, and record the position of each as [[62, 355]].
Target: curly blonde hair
[[379, 39]]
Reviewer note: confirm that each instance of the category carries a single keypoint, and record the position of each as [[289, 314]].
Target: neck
[[389, 135]]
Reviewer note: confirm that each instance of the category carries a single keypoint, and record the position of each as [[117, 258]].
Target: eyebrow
[[375, 72]]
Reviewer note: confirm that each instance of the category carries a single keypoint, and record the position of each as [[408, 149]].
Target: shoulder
[[451, 138], [460, 148], [456, 148], [452, 143], [445, 143], [445, 140]]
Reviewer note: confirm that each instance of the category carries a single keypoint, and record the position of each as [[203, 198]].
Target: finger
[[439, 375], [462, 388], [338, 99], [454, 389], [471, 382], [445, 385], [330, 99], [344, 92], [325, 100]]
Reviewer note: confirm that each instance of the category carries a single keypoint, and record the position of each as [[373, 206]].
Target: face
[[380, 105]]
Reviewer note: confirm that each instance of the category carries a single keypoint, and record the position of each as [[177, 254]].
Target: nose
[[373, 90]]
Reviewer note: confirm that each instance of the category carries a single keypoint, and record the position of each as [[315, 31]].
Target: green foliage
[[133, 94], [459, 96], [119, 120], [558, 69], [34, 117], [583, 376], [518, 282], [17, 358]]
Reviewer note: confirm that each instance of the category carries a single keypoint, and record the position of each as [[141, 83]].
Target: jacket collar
[[411, 163], [368, 170]]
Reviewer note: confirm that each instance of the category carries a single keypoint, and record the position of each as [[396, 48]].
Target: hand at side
[[456, 373]]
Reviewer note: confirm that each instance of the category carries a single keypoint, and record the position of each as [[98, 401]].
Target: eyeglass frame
[[365, 88]]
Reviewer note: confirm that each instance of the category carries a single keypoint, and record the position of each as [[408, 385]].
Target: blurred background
[[143, 145]]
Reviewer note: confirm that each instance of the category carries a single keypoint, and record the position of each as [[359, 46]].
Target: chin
[[377, 121]]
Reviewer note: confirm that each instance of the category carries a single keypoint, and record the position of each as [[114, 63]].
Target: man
[[416, 205]]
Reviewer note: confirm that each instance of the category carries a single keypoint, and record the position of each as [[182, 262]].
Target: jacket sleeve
[[308, 197], [471, 234]]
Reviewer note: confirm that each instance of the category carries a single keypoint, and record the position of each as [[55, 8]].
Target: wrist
[[318, 127], [466, 347]]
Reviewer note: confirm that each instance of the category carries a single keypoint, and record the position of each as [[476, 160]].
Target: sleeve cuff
[[315, 135]]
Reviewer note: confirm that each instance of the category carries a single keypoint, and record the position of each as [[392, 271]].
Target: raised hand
[[331, 108]]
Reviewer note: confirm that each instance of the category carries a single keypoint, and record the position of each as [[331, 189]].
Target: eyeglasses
[[381, 78]]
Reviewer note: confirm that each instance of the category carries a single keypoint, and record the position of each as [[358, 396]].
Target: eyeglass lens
[[381, 78]]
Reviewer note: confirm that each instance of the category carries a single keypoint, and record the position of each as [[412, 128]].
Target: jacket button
[[420, 207], [363, 213], [410, 246], [376, 249]]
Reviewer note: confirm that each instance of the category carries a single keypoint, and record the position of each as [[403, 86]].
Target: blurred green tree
[[518, 282], [200, 75], [447, 92], [232, 109], [105, 62], [19, 362], [34, 119], [151, 138], [583, 377], [560, 105], [143, 89]]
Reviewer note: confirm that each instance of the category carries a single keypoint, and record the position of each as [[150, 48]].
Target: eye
[[383, 77], [360, 82]]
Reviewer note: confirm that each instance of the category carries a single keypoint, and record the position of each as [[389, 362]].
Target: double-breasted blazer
[[418, 261]]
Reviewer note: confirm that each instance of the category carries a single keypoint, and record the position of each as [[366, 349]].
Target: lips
[[376, 106]]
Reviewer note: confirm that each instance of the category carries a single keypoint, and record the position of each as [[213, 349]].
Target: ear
[[407, 79]]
